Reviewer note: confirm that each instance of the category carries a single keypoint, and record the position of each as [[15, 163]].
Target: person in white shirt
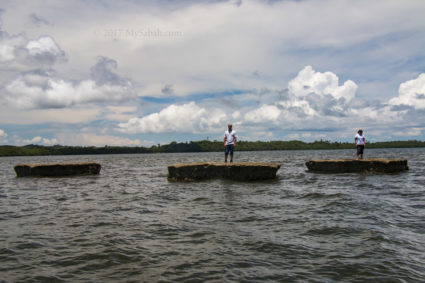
[[230, 139], [360, 143]]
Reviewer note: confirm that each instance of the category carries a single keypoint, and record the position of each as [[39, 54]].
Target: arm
[[234, 143], [224, 141]]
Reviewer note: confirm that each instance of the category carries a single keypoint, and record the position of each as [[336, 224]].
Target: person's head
[[360, 131], [229, 126]]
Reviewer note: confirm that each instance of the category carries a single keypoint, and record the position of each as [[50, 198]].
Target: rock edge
[[240, 171], [381, 165], [57, 169]]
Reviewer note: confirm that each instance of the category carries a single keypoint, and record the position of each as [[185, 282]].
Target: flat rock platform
[[239, 171], [364, 165], [57, 169]]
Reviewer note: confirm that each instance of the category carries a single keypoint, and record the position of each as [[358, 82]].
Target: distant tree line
[[195, 146]]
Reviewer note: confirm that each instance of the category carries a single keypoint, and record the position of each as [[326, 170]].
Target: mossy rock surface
[[57, 169], [381, 165], [239, 171]]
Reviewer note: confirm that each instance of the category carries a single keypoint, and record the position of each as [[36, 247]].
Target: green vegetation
[[196, 146]]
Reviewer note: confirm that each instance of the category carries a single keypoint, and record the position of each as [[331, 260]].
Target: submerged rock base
[[57, 169], [241, 171], [363, 165]]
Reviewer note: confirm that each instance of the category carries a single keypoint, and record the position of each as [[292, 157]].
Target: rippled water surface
[[129, 224]]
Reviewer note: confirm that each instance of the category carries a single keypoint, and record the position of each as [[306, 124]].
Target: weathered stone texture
[[57, 169], [363, 165], [241, 171]]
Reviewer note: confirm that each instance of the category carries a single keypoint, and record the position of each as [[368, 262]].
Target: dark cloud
[[401, 107], [167, 89], [256, 74], [38, 21], [283, 94], [1, 23], [363, 103], [103, 72], [44, 51]]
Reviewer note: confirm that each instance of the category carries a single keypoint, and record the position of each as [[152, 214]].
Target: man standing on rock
[[229, 142], [360, 142]]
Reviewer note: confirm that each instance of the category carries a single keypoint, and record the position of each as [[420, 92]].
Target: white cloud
[[43, 45], [37, 85], [266, 113], [10, 115], [411, 93], [313, 93], [37, 140], [43, 90], [44, 50], [410, 132], [120, 113], [88, 139], [310, 99], [59, 93], [6, 53], [8, 45], [2, 134], [21, 53], [309, 81], [186, 118]]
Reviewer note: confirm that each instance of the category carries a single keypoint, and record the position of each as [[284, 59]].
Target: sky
[[140, 73]]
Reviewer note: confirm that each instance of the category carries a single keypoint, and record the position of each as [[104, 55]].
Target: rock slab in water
[[57, 169], [241, 171], [363, 165]]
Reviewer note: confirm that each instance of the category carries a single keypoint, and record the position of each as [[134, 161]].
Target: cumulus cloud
[[38, 140], [313, 103], [411, 93], [266, 113], [37, 85], [44, 50], [312, 99], [409, 132], [120, 113], [310, 95], [9, 46], [2, 134], [315, 93], [309, 81], [103, 72], [186, 118], [91, 139], [18, 51], [74, 115], [42, 89]]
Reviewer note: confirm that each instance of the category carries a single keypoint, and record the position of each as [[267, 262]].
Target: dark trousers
[[229, 149]]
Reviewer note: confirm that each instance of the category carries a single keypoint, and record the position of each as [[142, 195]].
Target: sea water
[[129, 224]]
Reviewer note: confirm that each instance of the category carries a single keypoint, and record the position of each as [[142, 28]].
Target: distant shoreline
[[195, 146]]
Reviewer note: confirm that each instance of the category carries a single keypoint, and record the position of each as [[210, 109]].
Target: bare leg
[[231, 157], [225, 158]]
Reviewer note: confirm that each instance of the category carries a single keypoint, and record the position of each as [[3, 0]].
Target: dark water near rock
[[130, 224]]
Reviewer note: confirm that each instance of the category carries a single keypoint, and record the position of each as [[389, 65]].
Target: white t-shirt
[[230, 137], [360, 139]]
